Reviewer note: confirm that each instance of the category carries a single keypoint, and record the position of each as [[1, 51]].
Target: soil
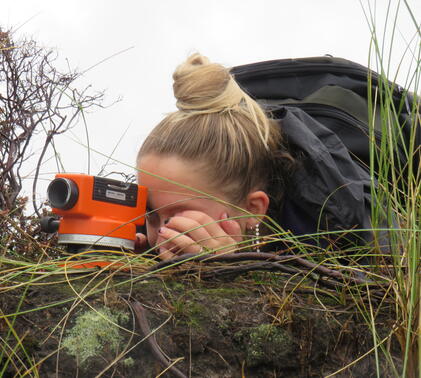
[[248, 326]]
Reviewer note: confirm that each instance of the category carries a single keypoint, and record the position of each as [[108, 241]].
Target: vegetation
[[35, 98], [399, 194], [93, 331]]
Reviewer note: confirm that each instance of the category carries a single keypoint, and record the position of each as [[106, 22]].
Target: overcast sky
[[160, 34]]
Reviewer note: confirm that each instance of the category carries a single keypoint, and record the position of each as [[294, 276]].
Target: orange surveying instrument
[[94, 212]]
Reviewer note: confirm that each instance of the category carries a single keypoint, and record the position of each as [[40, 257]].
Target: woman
[[216, 167]]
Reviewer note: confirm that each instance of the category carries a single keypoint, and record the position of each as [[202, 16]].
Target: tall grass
[[397, 194]]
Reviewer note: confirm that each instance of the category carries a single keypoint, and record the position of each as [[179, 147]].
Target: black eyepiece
[[62, 193], [49, 224]]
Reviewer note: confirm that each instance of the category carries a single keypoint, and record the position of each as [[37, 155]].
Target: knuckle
[[184, 223], [201, 217], [198, 216]]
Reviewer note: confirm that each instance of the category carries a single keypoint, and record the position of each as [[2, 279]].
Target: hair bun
[[204, 87]]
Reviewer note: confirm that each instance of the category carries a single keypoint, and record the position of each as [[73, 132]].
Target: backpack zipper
[[279, 68]]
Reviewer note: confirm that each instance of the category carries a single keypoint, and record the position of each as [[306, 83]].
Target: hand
[[190, 231], [141, 243]]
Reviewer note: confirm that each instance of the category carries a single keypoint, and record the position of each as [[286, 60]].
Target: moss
[[30, 343], [176, 285], [197, 313], [265, 278], [265, 344], [93, 332], [225, 292], [128, 362], [329, 300], [190, 312]]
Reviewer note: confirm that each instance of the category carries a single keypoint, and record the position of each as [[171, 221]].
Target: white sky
[[162, 33]]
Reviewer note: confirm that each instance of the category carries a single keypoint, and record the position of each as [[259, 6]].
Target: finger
[[218, 240], [193, 229], [141, 243], [183, 243], [221, 232], [166, 249], [165, 254], [210, 234], [231, 227]]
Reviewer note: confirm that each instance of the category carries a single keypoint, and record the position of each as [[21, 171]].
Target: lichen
[[94, 330]]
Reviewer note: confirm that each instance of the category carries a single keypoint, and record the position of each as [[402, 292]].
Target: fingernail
[[224, 216], [162, 230]]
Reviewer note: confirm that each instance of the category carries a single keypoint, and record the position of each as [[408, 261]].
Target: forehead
[[158, 172], [155, 173]]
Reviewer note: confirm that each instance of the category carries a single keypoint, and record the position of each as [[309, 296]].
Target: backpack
[[334, 92], [322, 106]]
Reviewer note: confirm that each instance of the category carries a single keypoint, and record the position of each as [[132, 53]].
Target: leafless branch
[[35, 99]]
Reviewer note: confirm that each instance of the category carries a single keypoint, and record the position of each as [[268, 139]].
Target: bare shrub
[[34, 98]]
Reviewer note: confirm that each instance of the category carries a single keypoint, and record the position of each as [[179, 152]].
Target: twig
[[140, 313], [253, 256]]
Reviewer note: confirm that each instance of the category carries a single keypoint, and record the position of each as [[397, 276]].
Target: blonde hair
[[220, 127]]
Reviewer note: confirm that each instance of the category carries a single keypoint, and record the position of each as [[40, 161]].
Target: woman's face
[[167, 200]]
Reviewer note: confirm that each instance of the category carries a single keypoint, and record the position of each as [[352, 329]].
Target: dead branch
[[35, 99]]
